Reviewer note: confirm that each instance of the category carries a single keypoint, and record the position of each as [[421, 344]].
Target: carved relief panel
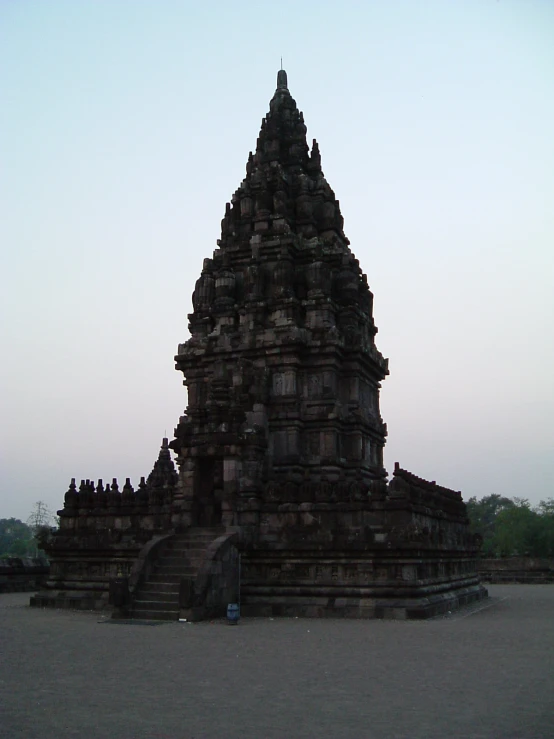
[[284, 383]]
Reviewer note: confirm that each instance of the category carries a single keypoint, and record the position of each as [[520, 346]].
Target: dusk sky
[[126, 127]]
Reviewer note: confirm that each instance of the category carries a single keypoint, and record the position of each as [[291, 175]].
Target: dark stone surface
[[282, 439], [22, 573], [539, 570], [281, 445], [487, 675], [103, 531]]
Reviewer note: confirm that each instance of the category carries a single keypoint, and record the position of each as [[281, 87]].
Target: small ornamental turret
[[142, 494], [85, 496], [71, 499], [314, 165], [282, 80], [163, 472], [128, 494], [102, 495], [114, 496]]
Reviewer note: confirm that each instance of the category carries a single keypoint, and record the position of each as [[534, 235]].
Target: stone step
[[190, 538], [155, 615], [171, 580], [153, 605], [159, 587], [173, 561], [174, 557], [174, 569], [187, 569], [164, 578], [194, 547], [158, 596], [184, 556], [185, 564], [186, 547]]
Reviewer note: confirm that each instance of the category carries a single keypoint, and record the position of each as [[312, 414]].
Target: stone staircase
[[157, 599]]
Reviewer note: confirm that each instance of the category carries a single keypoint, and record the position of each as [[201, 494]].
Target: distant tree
[[22, 548], [514, 530], [41, 522], [483, 516], [546, 507], [41, 516], [512, 527], [544, 534], [16, 538]]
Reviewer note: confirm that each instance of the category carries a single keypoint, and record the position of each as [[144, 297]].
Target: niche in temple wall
[[311, 444], [321, 384], [192, 391], [318, 444], [351, 446], [329, 446], [373, 453], [366, 396], [283, 383], [353, 389], [283, 443], [197, 390], [360, 391]]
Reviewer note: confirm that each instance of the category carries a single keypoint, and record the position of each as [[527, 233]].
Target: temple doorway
[[208, 491]]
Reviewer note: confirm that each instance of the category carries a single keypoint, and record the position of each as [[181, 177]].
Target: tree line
[[19, 539], [512, 527]]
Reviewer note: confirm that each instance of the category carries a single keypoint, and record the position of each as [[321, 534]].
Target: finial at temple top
[[282, 80]]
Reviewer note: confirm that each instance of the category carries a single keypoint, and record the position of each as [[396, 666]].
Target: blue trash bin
[[233, 613]]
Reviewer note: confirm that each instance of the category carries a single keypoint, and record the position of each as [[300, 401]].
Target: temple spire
[[282, 80], [163, 472]]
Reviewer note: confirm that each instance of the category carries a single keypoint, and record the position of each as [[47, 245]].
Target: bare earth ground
[[486, 672]]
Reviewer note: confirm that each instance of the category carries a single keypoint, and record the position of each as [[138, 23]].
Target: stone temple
[[281, 501]]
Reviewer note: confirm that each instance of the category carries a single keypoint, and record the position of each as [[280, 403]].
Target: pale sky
[[126, 126]]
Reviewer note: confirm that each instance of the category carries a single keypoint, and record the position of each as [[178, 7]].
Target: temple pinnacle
[[282, 80]]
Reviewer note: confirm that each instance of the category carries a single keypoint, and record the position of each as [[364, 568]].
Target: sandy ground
[[486, 672]]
